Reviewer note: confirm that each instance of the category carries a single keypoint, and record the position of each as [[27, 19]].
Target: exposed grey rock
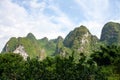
[[20, 50]]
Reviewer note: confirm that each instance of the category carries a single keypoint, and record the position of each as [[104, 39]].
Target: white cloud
[[18, 20], [19, 17], [93, 15], [94, 9], [35, 4], [62, 18], [97, 13]]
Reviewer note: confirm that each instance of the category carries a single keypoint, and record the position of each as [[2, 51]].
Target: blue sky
[[51, 18]]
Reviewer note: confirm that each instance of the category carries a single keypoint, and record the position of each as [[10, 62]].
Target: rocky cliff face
[[59, 45], [111, 33], [20, 50], [42, 54]]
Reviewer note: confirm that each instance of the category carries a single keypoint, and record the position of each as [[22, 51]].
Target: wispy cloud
[[17, 18], [51, 18], [94, 9], [97, 13]]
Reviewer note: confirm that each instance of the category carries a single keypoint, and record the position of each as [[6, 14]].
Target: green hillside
[[48, 45], [111, 33], [30, 45], [79, 40]]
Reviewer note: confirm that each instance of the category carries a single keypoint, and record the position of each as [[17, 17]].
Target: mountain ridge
[[79, 40]]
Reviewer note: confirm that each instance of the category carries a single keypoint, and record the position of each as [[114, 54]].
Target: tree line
[[101, 65]]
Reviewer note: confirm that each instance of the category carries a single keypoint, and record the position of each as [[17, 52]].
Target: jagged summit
[[111, 33], [44, 39], [59, 38], [30, 36], [82, 28]]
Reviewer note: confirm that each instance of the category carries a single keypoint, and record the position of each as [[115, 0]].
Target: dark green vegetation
[[80, 56], [111, 33], [101, 65], [49, 45]]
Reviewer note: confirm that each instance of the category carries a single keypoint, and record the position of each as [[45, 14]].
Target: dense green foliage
[[11, 66], [102, 65], [108, 58]]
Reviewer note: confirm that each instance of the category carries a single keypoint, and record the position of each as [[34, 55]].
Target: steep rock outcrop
[[81, 40], [111, 33], [20, 50]]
